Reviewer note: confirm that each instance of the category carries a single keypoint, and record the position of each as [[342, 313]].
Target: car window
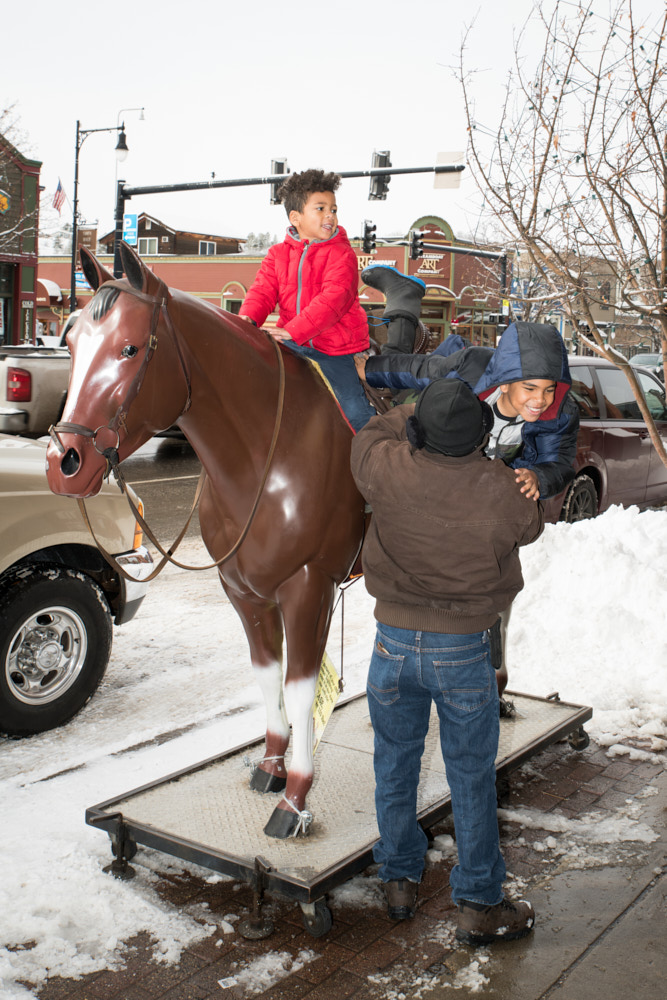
[[655, 397], [583, 392], [619, 400]]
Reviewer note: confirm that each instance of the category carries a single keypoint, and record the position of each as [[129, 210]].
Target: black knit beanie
[[449, 418]]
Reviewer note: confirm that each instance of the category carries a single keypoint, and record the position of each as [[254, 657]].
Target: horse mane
[[103, 301]]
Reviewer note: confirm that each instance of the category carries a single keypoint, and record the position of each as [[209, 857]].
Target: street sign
[[452, 180], [130, 225]]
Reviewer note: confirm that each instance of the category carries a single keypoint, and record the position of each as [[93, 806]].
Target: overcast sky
[[226, 87]]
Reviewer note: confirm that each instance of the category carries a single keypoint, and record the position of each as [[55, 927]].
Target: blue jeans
[[340, 371], [408, 671]]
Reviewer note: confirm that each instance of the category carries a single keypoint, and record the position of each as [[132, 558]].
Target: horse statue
[[145, 357]]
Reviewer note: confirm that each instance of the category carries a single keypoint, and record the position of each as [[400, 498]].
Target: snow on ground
[[179, 689], [590, 622]]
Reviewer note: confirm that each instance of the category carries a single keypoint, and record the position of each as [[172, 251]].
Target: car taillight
[[19, 385], [138, 533]]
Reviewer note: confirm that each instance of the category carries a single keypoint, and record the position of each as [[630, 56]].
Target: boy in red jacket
[[313, 278]]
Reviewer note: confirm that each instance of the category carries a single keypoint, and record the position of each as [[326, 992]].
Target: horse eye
[[130, 351]]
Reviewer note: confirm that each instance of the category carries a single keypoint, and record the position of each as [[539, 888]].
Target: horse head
[[122, 389]]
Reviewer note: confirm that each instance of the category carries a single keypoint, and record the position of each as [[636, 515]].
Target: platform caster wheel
[[317, 918], [129, 848], [579, 740], [123, 849]]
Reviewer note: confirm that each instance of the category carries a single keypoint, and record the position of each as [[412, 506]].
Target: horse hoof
[[284, 823], [262, 781]]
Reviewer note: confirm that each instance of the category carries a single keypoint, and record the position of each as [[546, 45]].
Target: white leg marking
[[270, 680], [299, 698]]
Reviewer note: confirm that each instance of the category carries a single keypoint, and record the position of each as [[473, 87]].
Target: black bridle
[[118, 421]]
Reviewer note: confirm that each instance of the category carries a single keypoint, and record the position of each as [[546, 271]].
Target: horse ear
[[133, 266], [94, 273]]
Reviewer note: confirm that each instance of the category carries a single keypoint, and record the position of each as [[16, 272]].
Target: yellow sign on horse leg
[[326, 696]]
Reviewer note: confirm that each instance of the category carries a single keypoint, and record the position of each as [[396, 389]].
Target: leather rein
[[118, 421]]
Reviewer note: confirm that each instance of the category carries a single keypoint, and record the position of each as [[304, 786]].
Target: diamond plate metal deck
[[207, 814]]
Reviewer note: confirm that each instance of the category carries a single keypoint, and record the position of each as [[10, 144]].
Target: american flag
[[59, 197]]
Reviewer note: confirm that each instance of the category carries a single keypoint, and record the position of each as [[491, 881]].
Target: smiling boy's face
[[528, 398], [319, 218]]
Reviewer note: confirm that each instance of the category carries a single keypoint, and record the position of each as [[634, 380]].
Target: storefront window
[[6, 287]]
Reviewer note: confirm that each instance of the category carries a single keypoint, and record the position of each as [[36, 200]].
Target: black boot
[[401, 333], [403, 293], [403, 296]]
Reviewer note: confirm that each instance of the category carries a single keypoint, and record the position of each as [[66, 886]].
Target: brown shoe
[[506, 921], [401, 898]]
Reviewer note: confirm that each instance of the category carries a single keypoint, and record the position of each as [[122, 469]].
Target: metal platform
[[208, 815]]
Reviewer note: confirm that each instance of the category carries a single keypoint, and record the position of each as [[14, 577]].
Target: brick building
[[19, 220], [154, 238]]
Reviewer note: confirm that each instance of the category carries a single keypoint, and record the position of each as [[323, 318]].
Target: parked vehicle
[[651, 361], [34, 383], [44, 340], [616, 462], [58, 595]]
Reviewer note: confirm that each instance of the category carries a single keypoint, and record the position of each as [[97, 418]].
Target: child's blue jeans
[[340, 371], [408, 671]]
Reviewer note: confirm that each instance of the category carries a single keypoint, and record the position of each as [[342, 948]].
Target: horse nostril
[[70, 463]]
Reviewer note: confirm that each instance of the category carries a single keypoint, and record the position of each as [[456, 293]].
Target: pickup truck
[[59, 599], [33, 387], [34, 380]]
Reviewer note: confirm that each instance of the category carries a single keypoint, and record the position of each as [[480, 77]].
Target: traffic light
[[369, 236], [416, 244], [277, 167], [379, 185]]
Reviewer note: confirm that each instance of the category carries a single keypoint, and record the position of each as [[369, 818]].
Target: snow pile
[[468, 977], [622, 826], [471, 977], [590, 622], [266, 970], [361, 892]]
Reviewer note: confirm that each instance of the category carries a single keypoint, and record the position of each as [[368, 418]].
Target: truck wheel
[[55, 642], [581, 501]]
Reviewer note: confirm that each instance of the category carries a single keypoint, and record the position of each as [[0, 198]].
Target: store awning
[[48, 292]]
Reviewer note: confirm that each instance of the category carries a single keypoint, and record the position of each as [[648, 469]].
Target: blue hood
[[525, 351]]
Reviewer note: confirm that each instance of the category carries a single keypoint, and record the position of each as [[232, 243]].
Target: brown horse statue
[[145, 357]]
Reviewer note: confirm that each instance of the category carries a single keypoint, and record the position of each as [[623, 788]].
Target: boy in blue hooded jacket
[[526, 381]]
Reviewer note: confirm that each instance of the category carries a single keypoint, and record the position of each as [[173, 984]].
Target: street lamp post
[[122, 113], [121, 153]]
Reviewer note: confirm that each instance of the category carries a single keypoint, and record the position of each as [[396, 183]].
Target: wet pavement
[[589, 850]]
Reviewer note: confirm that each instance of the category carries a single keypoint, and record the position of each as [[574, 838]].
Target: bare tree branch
[[574, 175]]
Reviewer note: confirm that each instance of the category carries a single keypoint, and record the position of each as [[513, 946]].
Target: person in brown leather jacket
[[442, 561]]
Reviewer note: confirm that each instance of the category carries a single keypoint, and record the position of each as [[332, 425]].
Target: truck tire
[[55, 643]]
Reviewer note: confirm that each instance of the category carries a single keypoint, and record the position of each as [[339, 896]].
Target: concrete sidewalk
[[599, 896]]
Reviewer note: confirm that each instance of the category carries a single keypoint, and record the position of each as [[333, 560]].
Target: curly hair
[[297, 189]]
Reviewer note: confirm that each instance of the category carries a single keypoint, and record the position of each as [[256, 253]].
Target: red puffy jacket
[[315, 287]]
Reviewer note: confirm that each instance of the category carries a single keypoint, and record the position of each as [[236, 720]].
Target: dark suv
[[616, 462]]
